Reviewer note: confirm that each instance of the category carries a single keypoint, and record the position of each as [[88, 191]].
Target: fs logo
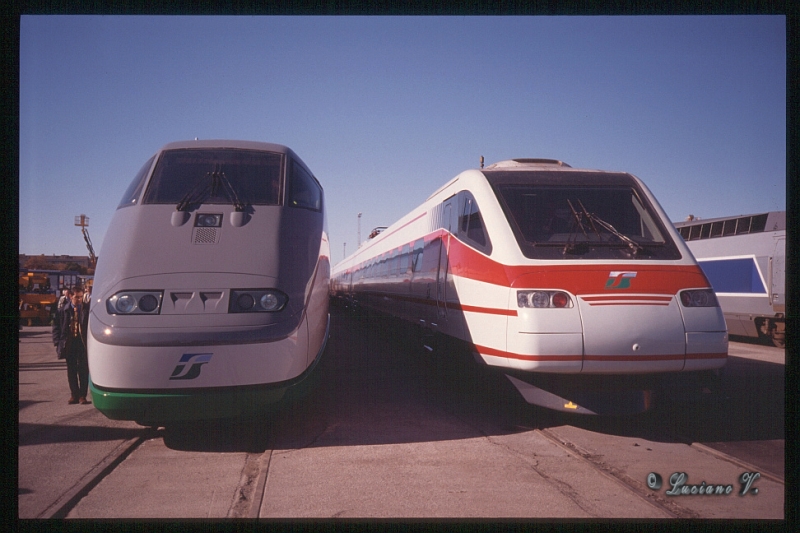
[[620, 280], [197, 362]]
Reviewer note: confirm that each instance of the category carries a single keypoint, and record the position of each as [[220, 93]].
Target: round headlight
[[125, 303], [270, 302], [245, 301], [540, 299], [700, 298], [148, 303]]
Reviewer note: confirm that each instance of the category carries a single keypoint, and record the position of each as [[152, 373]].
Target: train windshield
[[584, 221], [190, 177]]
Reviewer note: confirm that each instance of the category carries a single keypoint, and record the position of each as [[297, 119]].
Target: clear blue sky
[[384, 110]]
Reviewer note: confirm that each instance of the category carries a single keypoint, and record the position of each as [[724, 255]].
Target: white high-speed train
[[210, 297], [573, 283]]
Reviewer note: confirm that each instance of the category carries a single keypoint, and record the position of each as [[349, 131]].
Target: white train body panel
[[132, 368], [625, 314]]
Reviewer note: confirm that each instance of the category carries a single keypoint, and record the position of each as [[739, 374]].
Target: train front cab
[[607, 312], [610, 353], [210, 309]]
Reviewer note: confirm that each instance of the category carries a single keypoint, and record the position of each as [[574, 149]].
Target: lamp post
[[359, 230]]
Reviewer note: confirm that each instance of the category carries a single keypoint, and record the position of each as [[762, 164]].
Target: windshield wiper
[[572, 247], [219, 178], [195, 195], [633, 245], [207, 186]]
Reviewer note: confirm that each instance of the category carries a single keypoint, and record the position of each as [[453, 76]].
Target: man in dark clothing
[[69, 337]]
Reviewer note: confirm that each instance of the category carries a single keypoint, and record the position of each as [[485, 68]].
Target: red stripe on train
[[578, 279], [485, 350]]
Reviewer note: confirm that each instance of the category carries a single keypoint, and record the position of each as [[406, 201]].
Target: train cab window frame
[[134, 190], [619, 222], [189, 177], [303, 191], [470, 227]]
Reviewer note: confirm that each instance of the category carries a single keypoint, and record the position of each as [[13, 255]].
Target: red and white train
[[572, 282]]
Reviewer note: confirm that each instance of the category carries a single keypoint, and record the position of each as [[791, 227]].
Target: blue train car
[[744, 258]]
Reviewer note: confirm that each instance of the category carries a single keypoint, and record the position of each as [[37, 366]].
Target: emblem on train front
[[620, 280], [197, 361]]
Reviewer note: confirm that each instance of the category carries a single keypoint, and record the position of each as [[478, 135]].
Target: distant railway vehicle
[[744, 258], [210, 297], [573, 283], [39, 292]]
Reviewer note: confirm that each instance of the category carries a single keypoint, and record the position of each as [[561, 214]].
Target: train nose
[[652, 320], [632, 333]]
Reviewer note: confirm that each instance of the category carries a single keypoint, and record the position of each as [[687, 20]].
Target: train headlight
[[245, 302], [560, 299], [543, 299], [135, 303], [257, 301], [699, 298], [270, 302], [206, 220], [148, 303], [539, 299], [125, 303]]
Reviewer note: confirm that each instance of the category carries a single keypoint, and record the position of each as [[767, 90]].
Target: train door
[[778, 276], [441, 278]]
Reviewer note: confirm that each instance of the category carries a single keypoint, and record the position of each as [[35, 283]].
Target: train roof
[[219, 143], [506, 171], [244, 145], [527, 163], [542, 165]]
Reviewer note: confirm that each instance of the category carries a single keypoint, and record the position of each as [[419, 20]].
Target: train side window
[[743, 225], [430, 257], [758, 224], [704, 231], [416, 264], [684, 231], [131, 196], [405, 260], [729, 228], [304, 191], [716, 229], [694, 233], [470, 223]]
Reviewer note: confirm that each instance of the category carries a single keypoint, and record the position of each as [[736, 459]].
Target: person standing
[[66, 294], [69, 337]]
